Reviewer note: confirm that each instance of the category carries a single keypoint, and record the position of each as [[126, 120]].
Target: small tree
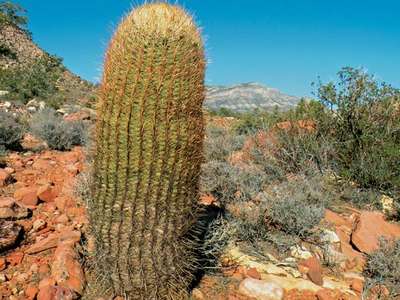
[[12, 14], [364, 127]]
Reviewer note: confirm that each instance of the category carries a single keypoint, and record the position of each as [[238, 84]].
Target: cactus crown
[[164, 20]]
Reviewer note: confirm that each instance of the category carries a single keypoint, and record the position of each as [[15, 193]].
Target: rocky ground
[[44, 227]]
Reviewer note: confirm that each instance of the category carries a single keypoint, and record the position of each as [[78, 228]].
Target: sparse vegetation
[[35, 81], [383, 266], [57, 133], [11, 132]]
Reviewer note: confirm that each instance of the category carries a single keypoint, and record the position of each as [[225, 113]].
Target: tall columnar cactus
[[148, 153]]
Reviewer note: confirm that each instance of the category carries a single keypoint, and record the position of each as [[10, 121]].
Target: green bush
[[57, 133], [11, 132], [383, 265], [364, 127]]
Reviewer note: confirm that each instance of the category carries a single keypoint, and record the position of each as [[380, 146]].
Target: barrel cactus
[[148, 154]]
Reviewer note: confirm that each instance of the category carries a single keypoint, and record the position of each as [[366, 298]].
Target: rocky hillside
[[247, 97], [18, 50]]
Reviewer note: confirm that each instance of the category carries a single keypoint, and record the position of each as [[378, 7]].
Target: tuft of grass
[[57, 133]]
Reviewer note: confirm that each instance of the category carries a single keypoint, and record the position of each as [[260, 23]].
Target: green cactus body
[[148, 154]]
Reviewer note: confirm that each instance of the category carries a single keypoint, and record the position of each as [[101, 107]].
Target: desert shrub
[[220, 143], [300, 152], [11, 132], [5, 51], [296, 207], [37, 80], [294, 217], [229, 183], [383, 265], [359, 197], [57, 133]]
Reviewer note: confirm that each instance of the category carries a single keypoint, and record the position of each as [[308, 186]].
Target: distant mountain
[[247, 97]]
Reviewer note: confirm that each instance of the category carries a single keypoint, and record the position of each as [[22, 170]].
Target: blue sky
[[284, 44]]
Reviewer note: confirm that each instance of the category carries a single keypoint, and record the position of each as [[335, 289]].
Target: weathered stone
[[13, 211], [31, 291], [15, 258], [27, 196], [47, 243], [371, 226], [261, 290], [55, 293], [314, 272], [4, 177], [253, 273], [66, 269], [9, 234], [300, 252], [46, 193]]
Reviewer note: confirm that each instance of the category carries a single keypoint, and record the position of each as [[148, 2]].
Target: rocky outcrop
[[20, 44]]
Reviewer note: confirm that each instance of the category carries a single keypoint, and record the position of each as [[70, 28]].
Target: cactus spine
[[149, 140]]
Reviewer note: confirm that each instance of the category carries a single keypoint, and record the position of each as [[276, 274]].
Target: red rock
[[78, 116], [27, 196], [55, 293], [47, 243], [47, 281], [3, 263], [371, 226], [9, 170], [6, 202], [4, 177], [66, 269], [207, 200], [15, 258], [357, 285], [31, 291], [70, 237], [336, 219], [314, 272], [62, 219], [355, 259], [46, 193], [325, 294], [49, 207], [295, 294], [44, 269], [64, 202], [253, 273]]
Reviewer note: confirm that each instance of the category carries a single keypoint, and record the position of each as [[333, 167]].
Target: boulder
[[261, 290], [27, 195], [370, 227]]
